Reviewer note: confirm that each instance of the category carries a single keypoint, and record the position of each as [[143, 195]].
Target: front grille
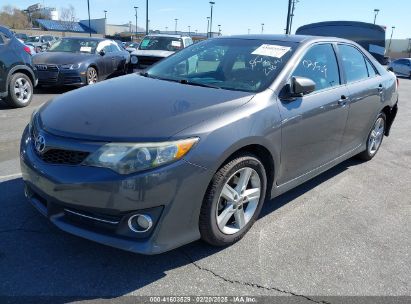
[[47, 67], [47, 73], [146, 61], [64, 157]]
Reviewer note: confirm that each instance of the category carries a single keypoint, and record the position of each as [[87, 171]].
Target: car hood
[[135, 108], [153, 53], [60, 58]]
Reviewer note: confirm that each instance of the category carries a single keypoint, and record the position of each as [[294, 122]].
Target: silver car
[[194, 146], [401, 67]]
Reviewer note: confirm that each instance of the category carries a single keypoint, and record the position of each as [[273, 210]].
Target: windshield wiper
[[198, 84], [182, 81]]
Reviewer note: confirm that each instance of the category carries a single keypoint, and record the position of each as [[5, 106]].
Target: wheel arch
[[261, 152], [21, 69]]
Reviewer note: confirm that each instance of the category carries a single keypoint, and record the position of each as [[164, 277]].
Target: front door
[[313, 125]]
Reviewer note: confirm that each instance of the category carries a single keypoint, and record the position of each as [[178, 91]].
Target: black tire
[[24, 96], [210, 232], [89, 78], [367, 155]]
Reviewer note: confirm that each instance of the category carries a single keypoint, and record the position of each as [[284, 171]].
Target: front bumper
[[105, 200], [59, 77]]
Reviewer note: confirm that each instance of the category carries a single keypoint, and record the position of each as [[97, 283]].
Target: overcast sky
[[237, 16]]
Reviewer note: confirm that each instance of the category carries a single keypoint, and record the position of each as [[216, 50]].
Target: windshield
[[161, 43], [71, 45], [33, 39], [227, 63]]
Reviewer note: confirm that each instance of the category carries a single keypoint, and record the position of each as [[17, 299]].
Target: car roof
[[288, 38], [87, 38], [166, 35]]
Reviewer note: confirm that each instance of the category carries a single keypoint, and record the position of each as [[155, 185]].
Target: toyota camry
[[193, 146]]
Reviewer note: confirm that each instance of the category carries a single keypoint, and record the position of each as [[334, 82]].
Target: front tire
[[375, 137], [20, 91], [91, 76], [233, 200]]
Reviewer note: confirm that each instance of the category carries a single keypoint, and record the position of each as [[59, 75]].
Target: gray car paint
[[310, 131]]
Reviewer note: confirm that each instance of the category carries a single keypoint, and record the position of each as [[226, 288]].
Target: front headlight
[[74, 66], [134, 60], [127, 158]]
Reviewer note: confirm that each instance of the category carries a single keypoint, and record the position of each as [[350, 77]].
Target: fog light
[[140, 223]]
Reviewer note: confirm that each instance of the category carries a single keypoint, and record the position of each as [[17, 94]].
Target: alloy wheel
[[91, 76], [22, 90], [238, 201], [376, 136]]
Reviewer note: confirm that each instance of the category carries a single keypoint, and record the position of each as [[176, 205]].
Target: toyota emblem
[[40, 144]]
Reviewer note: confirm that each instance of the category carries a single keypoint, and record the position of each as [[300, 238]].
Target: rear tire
[[20, 90], [375, 138], [233, 200]]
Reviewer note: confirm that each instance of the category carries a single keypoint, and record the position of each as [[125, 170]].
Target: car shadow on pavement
[[37, 258], [53, 89]]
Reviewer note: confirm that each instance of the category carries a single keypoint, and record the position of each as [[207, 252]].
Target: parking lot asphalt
[[345, 233]]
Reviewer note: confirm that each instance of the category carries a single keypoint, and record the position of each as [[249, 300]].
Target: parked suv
[[41, 43], [153, 48], [17, 74]]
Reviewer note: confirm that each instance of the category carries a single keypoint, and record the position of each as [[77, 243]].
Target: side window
[[353, 62], [320, 65], [370, 68], [107, 48], [114, 48]]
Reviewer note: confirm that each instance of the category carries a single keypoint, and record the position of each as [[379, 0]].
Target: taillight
[[27, 49]]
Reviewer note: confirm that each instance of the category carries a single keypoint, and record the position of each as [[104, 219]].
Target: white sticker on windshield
[[271, 50], [176, 43], [85, 49]]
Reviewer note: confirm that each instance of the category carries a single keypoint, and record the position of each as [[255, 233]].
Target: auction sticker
[[85, 49], [176, 43], [271, 50]]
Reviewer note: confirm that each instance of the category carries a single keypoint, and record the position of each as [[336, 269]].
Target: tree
[[68, 14], [13, 18]]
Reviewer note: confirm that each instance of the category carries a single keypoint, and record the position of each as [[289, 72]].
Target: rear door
[[3, 64], [313, 125], [365, 88]]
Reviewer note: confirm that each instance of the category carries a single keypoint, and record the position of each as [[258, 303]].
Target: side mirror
[[102, 52], [298, 87], [301, 86]]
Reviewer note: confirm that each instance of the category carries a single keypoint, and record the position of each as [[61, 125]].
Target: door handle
[[380, 89], [343, 100]]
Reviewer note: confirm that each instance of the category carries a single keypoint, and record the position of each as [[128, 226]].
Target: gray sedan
[[192, 147]]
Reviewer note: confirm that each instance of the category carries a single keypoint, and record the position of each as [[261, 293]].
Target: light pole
[[189, 30], [89, 22], [211, 18], [147, 17], [287, 27], [262, 28], [219, 30], [136, 8], [248, 31], [389, 44], [409, 47], [105, 14], [208, 25], [166, 28], [175, 28], [376, 11], [292, 13]]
